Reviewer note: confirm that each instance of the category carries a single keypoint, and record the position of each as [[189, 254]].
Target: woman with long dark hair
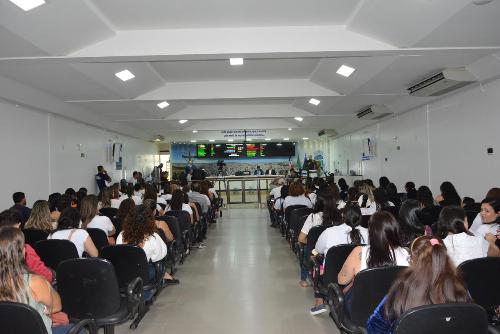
[[411, 227], [385, 248], [449, 195], [490, 218], [462, 245], [431, 278]]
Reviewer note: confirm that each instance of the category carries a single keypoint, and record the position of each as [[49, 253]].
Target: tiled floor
[[245, 281]]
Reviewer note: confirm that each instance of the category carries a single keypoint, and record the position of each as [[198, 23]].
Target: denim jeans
[[304, 273]]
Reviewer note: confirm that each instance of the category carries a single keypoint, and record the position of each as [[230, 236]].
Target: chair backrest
[[313, 236], [99, 238], [20, 318], [368, 289], [129, 262], [289, 210], [364, 220], [198, 207], [481, 278], [32, 236], [109, 212], [296, 217], [334, 260], [456, 318], [183, 218], [88, 288], [54, 251], [173, 225], [117, 223]]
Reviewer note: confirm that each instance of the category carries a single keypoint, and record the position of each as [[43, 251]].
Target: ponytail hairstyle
[[452, 219], [431, 278], [353, 218]]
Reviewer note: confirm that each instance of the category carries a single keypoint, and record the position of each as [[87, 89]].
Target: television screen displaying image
[[248, 150]]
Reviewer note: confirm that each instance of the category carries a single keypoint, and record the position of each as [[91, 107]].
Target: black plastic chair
[[297, 219], [286, 221], [89, 289], [364, 220], [368, 289], [31, 236], [109, 212], [20, 318], [305, 250], [99, 238], [184, 220], [456, 318], [334, 260], [481, 278], [179, 252], [54, 251]]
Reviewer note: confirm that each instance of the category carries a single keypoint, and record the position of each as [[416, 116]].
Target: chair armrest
[[336, 302], [493, 330], [135, 289], [316, 262], [86, 323]]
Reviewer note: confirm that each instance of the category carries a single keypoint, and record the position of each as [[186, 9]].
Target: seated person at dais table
[[258, 171]]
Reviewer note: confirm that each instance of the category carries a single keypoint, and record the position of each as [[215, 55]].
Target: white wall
[[444, 140], [40, 154]]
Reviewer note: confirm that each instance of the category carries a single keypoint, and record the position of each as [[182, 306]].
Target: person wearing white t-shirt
[[490, 218], [68, 229], [276, 191], [460, 243], [350, 231], [139, 229], [90, 218]]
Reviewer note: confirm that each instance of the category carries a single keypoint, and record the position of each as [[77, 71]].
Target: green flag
[[298, 164]]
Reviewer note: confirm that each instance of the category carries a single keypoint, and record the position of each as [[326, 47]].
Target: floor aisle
[[245, 281]]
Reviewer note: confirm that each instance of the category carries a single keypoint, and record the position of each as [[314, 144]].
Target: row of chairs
[[371, 285]]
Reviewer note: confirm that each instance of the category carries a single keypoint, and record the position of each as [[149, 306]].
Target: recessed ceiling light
[[125, 75], [157, 140], [298, 118], [193, 141], [268, 139], [195, 131], [289, 129], [211, 140], [286, 138], [345, 70], [230, 140], [305, 138], [27, 4], [314, 101], [163, 105], [182, 121], [236, 61]]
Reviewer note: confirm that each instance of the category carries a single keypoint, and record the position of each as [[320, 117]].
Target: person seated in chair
[[19, 285], [40, 218], [68, 229], [258, 171], [19, 199], [10, 218], [270, 171], [91, 219], [139, 229], [442, 284], [195, 196]]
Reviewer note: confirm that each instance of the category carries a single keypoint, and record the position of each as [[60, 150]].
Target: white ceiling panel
[[59, 80], [15, 46], [161, 14], [407, 70], [58, 27], [403, 23], [146, 79], [472, 26], [253, 69]]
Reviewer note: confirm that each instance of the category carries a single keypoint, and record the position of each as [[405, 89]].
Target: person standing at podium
[[258, 171]]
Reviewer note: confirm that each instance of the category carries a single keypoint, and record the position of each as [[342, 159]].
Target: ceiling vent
[[442, 82], [328, 133], [374, 112]]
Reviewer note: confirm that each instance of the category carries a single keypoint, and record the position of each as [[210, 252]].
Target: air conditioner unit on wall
[[328, 133], [374, 112], [442, 82]]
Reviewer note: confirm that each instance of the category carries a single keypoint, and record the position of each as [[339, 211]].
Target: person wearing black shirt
[[258, 171], [101, 178], [20, 207], [270, 171]]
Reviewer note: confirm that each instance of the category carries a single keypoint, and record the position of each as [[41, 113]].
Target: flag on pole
[[298, 163]]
